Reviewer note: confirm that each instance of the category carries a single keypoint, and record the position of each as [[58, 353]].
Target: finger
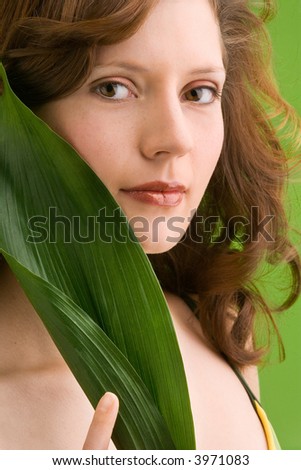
[[101, 428]]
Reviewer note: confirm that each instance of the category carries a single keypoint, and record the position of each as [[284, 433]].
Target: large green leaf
[[105, 280]]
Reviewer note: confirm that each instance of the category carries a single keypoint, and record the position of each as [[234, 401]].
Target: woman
[[173, 93]]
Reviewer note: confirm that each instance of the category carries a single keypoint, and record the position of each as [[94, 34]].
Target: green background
[[281, 382]]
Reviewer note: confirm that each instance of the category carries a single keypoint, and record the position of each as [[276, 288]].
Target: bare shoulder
[[250, 374], [218, 400]]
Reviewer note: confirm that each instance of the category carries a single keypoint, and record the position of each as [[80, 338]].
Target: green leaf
[[104, 285]]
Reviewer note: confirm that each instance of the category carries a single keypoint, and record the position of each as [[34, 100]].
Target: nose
[[166, 131]]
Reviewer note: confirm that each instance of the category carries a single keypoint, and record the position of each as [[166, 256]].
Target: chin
[[155, 248], [159, 241]]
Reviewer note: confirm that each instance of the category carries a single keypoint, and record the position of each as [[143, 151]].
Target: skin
[[156, 131]]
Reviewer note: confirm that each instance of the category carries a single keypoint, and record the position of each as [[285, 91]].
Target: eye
[[202, 95], [113, 91]]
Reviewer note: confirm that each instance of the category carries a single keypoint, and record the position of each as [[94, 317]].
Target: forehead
[[176, 30]]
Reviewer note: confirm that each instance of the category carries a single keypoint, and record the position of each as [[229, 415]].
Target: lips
[[158, 193]]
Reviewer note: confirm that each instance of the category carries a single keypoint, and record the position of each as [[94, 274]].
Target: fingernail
[[106, 401]]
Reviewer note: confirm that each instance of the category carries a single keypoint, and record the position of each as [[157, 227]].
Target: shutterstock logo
[[109, 227]]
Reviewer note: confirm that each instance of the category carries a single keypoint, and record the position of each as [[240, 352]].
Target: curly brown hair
[[216, 260]]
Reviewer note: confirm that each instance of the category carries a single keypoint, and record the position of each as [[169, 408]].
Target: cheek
[[100, 145], [208, 149], [215, 135]]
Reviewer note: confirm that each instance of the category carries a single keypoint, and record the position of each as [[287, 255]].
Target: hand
[[102, 425]]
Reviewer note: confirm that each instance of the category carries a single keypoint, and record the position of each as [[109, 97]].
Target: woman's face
[[148, 120]]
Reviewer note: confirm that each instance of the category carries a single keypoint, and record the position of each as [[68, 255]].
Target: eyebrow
[[139, 68]]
